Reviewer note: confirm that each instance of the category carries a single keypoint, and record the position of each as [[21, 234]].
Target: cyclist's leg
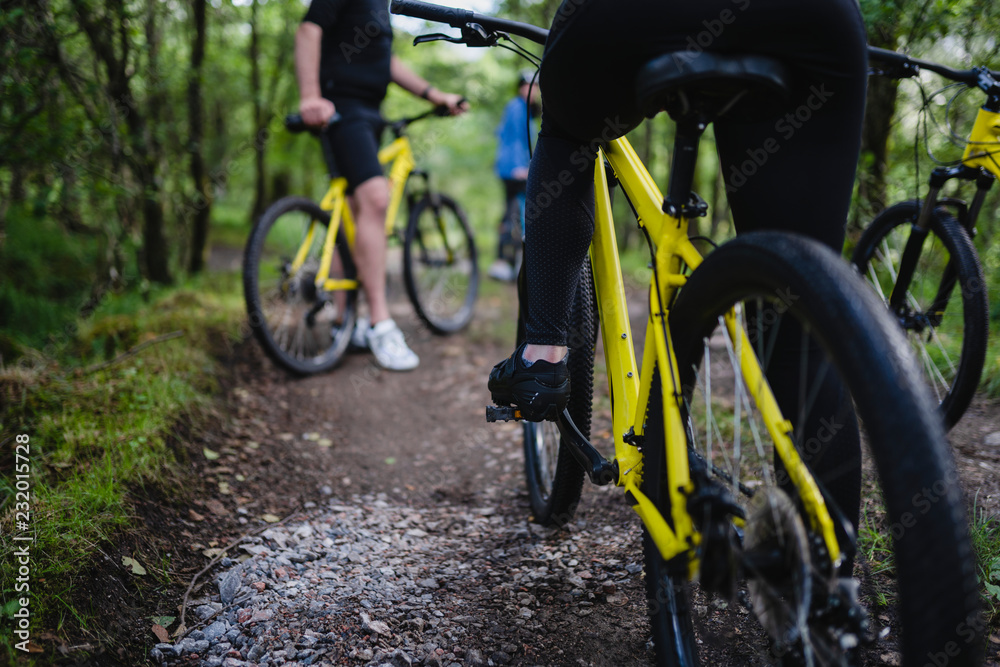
[[354, 141], [521, 199], [763, 163], [368, 204], [824, 45], [559, 216], [505, 238], [355, 145], [503, 266]]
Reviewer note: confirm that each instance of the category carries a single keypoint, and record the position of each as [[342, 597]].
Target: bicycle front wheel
[[945, 312], [439, 264], [839, 371], [301, 327], [554, 477]]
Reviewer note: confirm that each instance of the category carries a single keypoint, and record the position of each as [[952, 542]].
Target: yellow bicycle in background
[[717, 472], [300, 280], [919, 257]]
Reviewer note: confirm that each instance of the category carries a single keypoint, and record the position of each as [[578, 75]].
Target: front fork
[[967, 216]]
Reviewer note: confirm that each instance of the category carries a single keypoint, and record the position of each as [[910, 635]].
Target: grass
[[986, 542], [990, 383], [875, 547], [101, 423], [35, 301]]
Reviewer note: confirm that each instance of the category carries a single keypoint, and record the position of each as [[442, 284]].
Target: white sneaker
[[359, 337], [502, 270], [389, 347]]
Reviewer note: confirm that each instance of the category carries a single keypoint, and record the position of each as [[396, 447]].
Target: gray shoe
[[502, 270], [389, 347]]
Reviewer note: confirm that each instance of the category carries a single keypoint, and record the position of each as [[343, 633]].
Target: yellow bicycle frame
[[985, 132], [631, 391], [400, 154]]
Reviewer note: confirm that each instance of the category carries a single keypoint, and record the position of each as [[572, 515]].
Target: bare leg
[[553, 353], [369, 204]]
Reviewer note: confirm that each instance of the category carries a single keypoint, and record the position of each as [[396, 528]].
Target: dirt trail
[[421, 440]]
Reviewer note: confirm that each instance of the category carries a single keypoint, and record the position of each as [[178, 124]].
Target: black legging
[[792, 171]]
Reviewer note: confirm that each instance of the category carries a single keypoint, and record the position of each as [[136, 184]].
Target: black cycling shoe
[[540, 390]]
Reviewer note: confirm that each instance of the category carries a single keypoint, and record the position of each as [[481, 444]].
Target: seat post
[[686, 141]]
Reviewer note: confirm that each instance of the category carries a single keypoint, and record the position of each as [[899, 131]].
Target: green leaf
[[134, 565], [992, 589], [209, 454], [165, 621], [9, 608]]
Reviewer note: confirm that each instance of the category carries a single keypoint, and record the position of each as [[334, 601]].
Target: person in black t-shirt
[[344, 63]]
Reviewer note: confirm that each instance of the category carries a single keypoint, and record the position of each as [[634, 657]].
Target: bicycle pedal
[[505, 414]]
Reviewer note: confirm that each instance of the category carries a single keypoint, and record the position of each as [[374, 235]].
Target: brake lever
[[474, 34], [899, 71], [436, 37]]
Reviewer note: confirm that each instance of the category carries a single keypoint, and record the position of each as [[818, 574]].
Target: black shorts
[[351, 145]]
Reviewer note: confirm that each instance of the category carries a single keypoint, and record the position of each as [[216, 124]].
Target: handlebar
[[902, 66], [453, 16], [899, 65], [461, 18], [294, 122]]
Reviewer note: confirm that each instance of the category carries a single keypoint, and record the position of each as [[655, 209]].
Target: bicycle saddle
[[712, 84]]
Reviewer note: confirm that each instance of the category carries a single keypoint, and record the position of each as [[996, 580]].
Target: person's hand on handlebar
[[456, 103], [316, 111]]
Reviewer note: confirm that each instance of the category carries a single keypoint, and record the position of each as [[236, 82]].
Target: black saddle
[[710, 84]]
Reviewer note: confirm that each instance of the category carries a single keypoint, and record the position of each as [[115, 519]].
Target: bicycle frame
[[631, 390], [979, 164], [400, 154]]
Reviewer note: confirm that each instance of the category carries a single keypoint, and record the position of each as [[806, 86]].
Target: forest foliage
[[140, 139], [138, 134]]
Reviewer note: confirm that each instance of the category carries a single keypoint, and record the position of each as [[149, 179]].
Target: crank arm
[[600, 470]]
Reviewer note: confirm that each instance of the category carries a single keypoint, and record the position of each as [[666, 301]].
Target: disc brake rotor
[[777, 562]]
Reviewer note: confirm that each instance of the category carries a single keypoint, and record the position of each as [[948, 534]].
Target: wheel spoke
[[290, 315]]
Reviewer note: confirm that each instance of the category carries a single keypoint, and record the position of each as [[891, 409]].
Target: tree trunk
[[202, 203], [879, 111], [113, 51], [155, 246], [260, 125], [154, 243], [880, 107]]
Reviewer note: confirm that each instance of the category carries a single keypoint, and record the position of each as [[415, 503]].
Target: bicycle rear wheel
[[945, 314], [439, 264], [554, 477], [303, 329], [790, 294]]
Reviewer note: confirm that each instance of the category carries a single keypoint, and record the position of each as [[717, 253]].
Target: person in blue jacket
[[513, 155]]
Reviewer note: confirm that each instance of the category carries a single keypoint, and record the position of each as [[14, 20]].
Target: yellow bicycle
[[919, 257], [299, 277], [716, 465]]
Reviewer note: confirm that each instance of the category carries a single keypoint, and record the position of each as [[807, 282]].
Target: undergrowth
[[875, 548], [100, 408]]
